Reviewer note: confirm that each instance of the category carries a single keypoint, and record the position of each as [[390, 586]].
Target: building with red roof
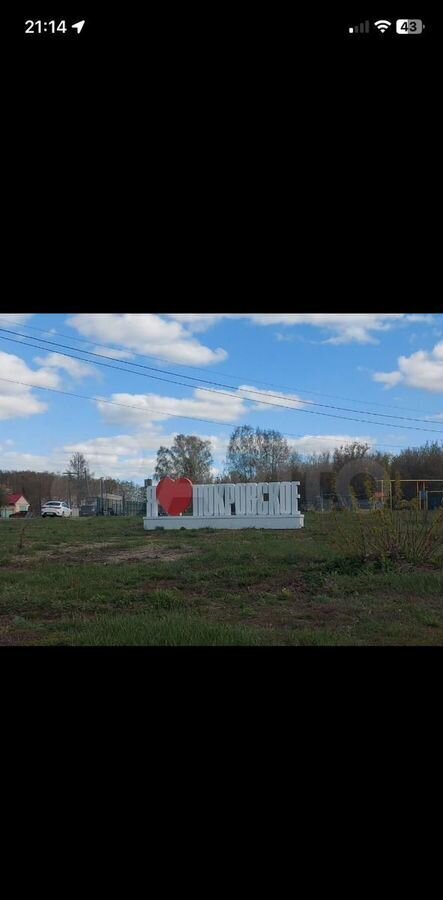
[[15, 503]]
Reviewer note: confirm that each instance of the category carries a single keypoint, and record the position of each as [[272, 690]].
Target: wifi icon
[[382, 25]]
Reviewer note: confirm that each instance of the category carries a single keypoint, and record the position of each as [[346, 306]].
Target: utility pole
[[69, 485]]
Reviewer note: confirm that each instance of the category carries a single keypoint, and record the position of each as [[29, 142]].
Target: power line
[[219, 392], [153, 409], [211, 382], [124, 405], [198, 369], [208, 381]]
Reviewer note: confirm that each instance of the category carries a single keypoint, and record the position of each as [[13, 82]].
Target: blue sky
[[384, 363]]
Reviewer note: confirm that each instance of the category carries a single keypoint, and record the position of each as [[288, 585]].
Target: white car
[[56, 508]]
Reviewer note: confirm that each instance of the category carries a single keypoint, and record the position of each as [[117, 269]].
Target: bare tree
[[256, 455], [79, 467], [78, 464]]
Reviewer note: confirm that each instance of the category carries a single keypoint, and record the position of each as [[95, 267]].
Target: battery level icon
[[409, 26]]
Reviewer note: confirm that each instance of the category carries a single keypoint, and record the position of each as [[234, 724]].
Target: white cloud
[[147, 334], [119, 445], [172, 336], [323, 443], [73, 367], [128, 462], [389, 379], [121, 456], [423, 370], [140, 410], [275, 397], [199, 322], [16, 461], [427, 318], [345, 327], [219, 443], [17, 400], [16, 317], [126, 456], [117, 354], [20, 407], [156, 408], [134, 456]]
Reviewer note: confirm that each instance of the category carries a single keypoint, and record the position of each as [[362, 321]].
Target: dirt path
[[101, 552]]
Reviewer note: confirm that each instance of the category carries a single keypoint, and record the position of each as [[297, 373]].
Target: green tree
[[421, 462], [189, 457], [165, 464]]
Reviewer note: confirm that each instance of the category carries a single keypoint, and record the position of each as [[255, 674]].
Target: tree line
[[75, 485], [265, 455], [252, 455]]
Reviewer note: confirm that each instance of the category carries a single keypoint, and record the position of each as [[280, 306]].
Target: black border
[[406, 304], [336, 704], [84, 98]]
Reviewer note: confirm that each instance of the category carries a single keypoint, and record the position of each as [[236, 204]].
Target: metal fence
[[99, 506], [329, 502], [425, 500]]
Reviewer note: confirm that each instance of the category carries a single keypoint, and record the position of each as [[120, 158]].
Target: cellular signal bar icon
[[363, 28]]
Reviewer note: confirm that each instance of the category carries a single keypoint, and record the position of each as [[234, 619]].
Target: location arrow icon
[[79, 25]]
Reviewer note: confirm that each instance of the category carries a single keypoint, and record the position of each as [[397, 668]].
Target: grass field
[[108, 582]]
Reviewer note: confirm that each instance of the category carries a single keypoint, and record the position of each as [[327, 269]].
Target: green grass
[[62, 582], [170, 630]]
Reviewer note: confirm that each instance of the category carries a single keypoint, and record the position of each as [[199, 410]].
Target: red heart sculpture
[[174, 496]]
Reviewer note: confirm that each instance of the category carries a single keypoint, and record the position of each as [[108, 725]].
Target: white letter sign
[[273, 505]]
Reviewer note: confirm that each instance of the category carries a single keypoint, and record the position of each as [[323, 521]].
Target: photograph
[[243, 479]]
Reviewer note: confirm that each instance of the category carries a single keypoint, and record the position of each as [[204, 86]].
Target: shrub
[[387, 537]]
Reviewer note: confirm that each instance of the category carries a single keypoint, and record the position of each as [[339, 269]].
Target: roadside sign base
[[224, 522]]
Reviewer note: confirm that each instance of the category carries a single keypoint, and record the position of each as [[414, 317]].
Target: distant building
[[15, 503]]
